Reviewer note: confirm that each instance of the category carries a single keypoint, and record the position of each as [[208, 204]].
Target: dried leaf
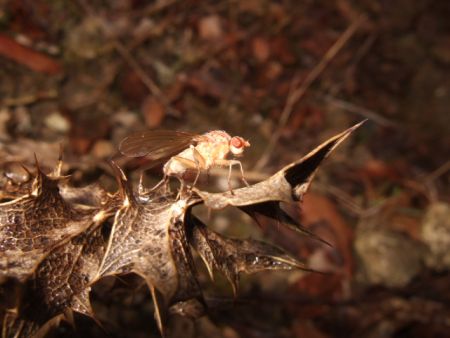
[[149, 239], [233, 256], [32, 225], [287, 185], [32, 59], [60, 285], [55, 242], [273, 210], [260, 49], [154, 112]]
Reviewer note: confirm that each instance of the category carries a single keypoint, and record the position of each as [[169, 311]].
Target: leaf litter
[[54, 245]]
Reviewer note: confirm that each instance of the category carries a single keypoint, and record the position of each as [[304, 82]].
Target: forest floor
[[285, 75]]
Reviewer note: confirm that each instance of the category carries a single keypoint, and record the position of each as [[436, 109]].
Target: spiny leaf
[[272, 209], [31, 225], [300, 173], [148, 238], [17, 326], [234, 256], [63, 278], [54, 242], [287, 185]]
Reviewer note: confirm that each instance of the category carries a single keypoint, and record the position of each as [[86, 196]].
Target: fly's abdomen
[[176, 167]]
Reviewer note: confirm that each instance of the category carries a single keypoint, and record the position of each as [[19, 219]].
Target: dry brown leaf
[[56, 242], [32, 59], [153, 111]]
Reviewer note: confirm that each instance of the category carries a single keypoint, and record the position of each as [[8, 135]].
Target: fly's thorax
[[218, 136], [212, 151]]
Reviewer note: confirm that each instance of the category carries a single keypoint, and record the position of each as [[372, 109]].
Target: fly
[[186, 151]]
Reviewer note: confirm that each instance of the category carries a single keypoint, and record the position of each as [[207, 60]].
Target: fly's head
[[237, 145]]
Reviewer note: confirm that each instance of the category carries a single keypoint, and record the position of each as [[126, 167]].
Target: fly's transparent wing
[[157, 144]]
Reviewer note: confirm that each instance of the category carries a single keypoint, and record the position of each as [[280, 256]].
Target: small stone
[[57, 122], [387, 257], [125, 119]]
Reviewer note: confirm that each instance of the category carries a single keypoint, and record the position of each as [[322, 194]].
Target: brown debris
[[53, 243], [28, 57], [254, 68]]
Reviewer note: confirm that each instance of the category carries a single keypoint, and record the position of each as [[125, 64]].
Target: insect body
[[186, 151]]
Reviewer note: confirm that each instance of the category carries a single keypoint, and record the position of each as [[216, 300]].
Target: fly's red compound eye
[[237, 145], [237, 142]]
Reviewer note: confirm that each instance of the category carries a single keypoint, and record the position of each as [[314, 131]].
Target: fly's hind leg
[[199, 162], [164, 181], [182, 187], [190, 164]]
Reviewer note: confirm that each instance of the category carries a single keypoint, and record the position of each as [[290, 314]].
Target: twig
[[365, 112], [29, 99], [364, 49], [438, 172], [156, 7], [429, 181], [148, 82], [343, 197], [296, 94]]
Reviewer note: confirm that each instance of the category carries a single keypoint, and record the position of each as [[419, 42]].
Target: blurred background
[[285, 75]]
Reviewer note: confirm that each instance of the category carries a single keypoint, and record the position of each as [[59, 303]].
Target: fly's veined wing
[[157, 144]]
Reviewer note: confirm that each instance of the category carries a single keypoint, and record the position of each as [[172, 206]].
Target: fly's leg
[[199, 161], [188, 164], [242, 173], [180, 191], [164, 181], [229, 178], [230, 164], [142, 190]]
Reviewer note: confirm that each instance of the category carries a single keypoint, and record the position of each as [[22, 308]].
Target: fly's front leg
[[242, 173], [230, 164]]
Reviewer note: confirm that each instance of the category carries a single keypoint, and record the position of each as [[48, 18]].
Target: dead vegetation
[[284, 74]]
